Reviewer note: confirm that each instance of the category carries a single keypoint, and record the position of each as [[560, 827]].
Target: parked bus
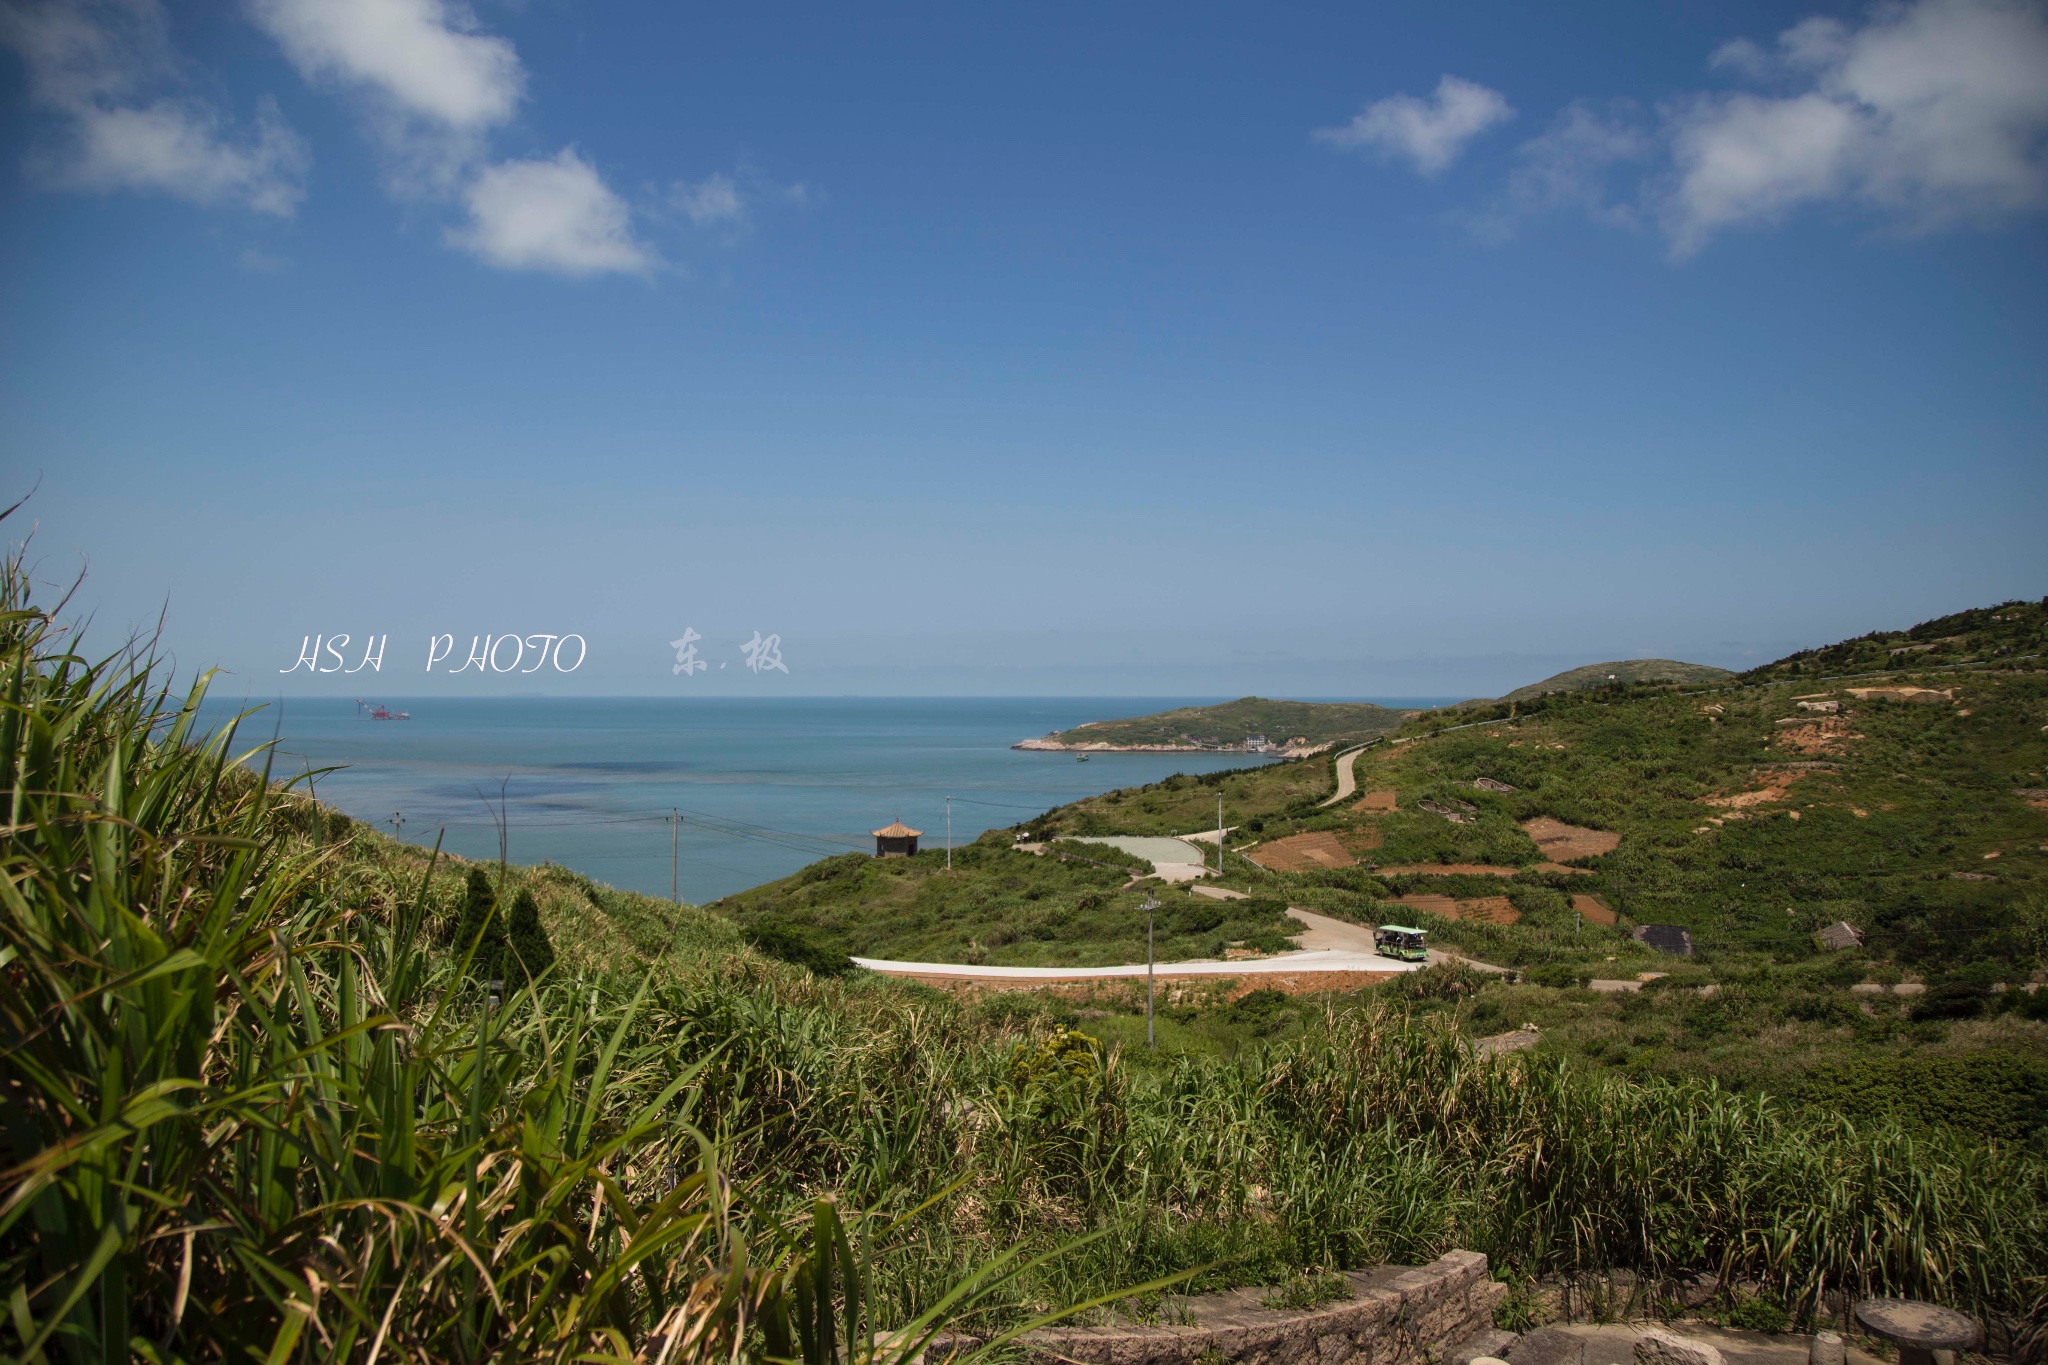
[[1400, 942]]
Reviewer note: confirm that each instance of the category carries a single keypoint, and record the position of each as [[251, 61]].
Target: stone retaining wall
[[1401, 1316]]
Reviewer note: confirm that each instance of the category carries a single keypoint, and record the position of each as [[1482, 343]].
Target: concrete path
[[1326, 961], [1347, 778], [1173, 860]]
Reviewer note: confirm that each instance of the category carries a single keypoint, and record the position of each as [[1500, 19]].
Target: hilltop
[[1625, 672], [2010, 630], [1298, 726]]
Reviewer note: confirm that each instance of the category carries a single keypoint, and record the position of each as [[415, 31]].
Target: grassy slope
[[1935, 787], [2009, 630], [1230, 722], [1595, 676], [1001, 906]]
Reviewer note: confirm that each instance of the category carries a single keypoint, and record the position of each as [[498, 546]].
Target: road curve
[[1347, 780]]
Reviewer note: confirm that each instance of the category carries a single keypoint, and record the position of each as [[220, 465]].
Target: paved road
[[1347, 779], [1344, 936], [1317, 961]]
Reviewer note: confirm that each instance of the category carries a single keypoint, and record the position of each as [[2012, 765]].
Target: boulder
[[1659, 1347]]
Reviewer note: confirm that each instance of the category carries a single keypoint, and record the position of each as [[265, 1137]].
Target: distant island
[[1287, 729]]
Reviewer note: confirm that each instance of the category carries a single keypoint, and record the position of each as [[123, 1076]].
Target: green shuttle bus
[[1401, 942]]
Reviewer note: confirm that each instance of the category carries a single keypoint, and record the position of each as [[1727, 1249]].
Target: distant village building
[[1666, 938], [1840, 934], [896, 840], [1255, 744]]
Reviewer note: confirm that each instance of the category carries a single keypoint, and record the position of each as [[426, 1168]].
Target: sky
[[1318, 351]]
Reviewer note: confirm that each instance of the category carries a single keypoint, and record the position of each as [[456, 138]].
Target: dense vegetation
[[1229, 724], [1072, 907], [258, 1107], [2011, 630]]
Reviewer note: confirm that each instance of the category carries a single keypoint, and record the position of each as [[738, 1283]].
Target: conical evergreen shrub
[[530, 948], [489, 963]]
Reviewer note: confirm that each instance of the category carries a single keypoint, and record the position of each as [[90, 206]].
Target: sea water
[[742, 790]]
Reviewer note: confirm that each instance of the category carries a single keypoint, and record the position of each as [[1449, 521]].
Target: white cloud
[[552, 215], [1934, 112], [435, 85], [102, 69], [1430, 133], [714, 199], [424, 56], [431, 84], [1571, 165]]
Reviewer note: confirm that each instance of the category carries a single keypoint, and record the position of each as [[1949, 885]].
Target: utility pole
[[397, 825], [675, 839], [949, 834], [1150, 905], [1219, 833]]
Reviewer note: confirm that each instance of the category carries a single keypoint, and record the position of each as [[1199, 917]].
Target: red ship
[[380, 712]]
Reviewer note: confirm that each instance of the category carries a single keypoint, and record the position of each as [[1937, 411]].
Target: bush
[[1995, 1094], [1759, 1315], [797, 946], [1952, 1000]]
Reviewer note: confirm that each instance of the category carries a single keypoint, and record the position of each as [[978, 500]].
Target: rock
[[1659, 1347], [1827, 1349], [1488, 1346], [1548, 1346]]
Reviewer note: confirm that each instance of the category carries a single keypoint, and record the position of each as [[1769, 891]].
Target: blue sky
[[1313, 351]]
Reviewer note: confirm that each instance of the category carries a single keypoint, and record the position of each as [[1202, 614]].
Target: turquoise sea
[[762, 786]]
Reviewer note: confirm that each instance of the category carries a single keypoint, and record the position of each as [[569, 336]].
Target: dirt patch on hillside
[[1566, 843], [1303, 853], [1483, 909], [1816, 736], [2037, 797], [1594, 911], [1777, 786], [1375, 802]]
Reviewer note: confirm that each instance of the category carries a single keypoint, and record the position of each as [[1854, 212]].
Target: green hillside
[[1753, 817], [1227, 725], [1003, 907], [1625, 672], [2011, 630]]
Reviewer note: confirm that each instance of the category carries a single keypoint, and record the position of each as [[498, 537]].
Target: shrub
[[797, 946], [1756, 1314]]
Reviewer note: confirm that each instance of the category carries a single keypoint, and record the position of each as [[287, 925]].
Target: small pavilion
[[896, 840]]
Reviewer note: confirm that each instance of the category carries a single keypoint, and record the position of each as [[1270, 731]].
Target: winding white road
[[1328, 945], [1347, 779]]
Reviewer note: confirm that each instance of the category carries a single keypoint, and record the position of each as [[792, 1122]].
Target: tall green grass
[[250, 1112]]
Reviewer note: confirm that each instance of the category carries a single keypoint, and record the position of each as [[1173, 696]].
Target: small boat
[[1080, 758]]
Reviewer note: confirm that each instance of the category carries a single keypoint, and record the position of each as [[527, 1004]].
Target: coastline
[[1047, 744]]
